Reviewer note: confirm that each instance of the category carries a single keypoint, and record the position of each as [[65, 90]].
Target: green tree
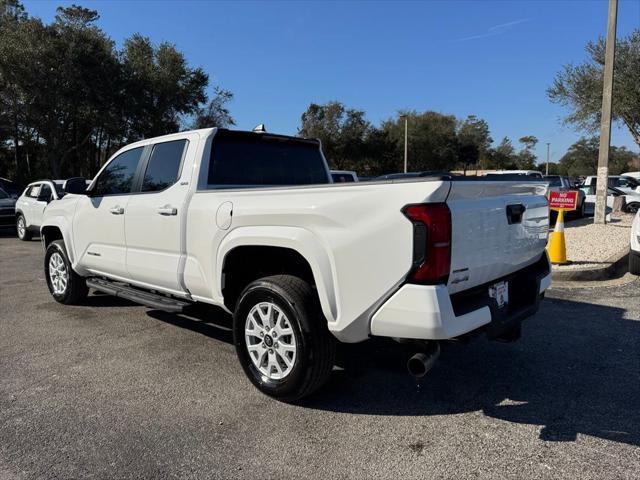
[[579, 87], [526, 159], [474, 142], [215, 113], [582, 158], [68, 98], [503, 157], [432, 140], [160, 87], [342, 131]]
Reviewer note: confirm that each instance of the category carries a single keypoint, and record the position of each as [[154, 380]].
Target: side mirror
[[44, 197], [76, 185]]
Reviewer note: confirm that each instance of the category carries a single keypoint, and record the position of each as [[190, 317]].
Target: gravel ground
[[591, 246], [110, 389]]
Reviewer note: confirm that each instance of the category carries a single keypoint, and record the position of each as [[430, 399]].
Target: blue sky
[[493, 59]]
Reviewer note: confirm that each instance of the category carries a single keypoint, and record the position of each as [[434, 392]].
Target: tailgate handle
[[515, 212]]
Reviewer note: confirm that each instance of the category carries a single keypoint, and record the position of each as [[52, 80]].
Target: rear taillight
[[431, 242]]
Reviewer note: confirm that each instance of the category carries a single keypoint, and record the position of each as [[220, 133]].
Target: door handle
[[515, 213], [167, 210], [117, 210]]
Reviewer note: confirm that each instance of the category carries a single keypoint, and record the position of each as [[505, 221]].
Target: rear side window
[[163, 167], [255, 159], [117, 177]]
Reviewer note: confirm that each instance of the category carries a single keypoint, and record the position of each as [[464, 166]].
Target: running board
[[143, 297]]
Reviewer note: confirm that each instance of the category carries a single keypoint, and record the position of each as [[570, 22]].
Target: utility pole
[[406, 129], [605, 120], [547, 169]]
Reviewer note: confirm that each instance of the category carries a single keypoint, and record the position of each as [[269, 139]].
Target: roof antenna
[[260, 128]]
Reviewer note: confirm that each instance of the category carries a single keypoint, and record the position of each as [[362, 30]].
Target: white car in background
[[622, 182], [635, 175], [31, 204], [634, 252], [630, 204]]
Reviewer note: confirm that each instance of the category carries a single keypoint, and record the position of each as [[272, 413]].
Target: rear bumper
[[428, 312]]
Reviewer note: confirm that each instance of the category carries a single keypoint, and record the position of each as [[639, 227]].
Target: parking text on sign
[[563, 200]]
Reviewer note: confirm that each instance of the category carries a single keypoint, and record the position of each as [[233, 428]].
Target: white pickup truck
[[251, 222]]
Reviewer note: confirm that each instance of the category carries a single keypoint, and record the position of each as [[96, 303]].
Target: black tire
[[76, 289], [581, 210], [315, 345], [632, 207], [634, 263], [26, 234]]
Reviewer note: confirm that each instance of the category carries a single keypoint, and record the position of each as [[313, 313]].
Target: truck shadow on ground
[[576, 370]]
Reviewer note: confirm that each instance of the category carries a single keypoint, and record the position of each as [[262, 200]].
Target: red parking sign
[[563, 200]]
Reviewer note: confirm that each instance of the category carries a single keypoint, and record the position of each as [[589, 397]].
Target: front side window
[[117, 177], [3, 195], [249, 160], [34, 191], [164, 166]]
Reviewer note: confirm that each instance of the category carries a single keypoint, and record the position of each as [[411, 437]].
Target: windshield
[[553, 181]]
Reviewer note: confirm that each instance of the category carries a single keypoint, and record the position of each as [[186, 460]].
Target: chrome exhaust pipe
[[420, 364]]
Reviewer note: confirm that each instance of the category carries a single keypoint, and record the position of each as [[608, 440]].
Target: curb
[[617, 266]]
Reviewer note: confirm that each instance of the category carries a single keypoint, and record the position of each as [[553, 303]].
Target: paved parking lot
[[115, 390]]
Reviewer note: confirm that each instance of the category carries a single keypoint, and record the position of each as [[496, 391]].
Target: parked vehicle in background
[[526, 173], [626, 184], [414, 175], [31, 204], [343, 176], [558, 183], [612, 193], [634, 175], [7, 209], [634, 251], [11, 188], [252, 223]]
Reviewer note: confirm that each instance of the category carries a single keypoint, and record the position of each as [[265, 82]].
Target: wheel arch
[[248, 253], [57, 229]]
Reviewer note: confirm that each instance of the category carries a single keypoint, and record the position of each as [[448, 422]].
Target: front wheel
[[21, 228], [281, 337], [65, 285]]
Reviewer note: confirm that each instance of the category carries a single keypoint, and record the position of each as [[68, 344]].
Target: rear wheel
[[65, 285], [21, 228], [581, 210], [633, 207], [281, 337], [634, 263]]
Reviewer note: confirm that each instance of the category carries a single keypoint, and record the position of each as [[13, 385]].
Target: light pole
[[547, 169], [406, 129], [605, 119]]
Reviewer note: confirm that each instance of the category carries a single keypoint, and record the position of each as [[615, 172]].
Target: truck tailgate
[[497, 228]]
